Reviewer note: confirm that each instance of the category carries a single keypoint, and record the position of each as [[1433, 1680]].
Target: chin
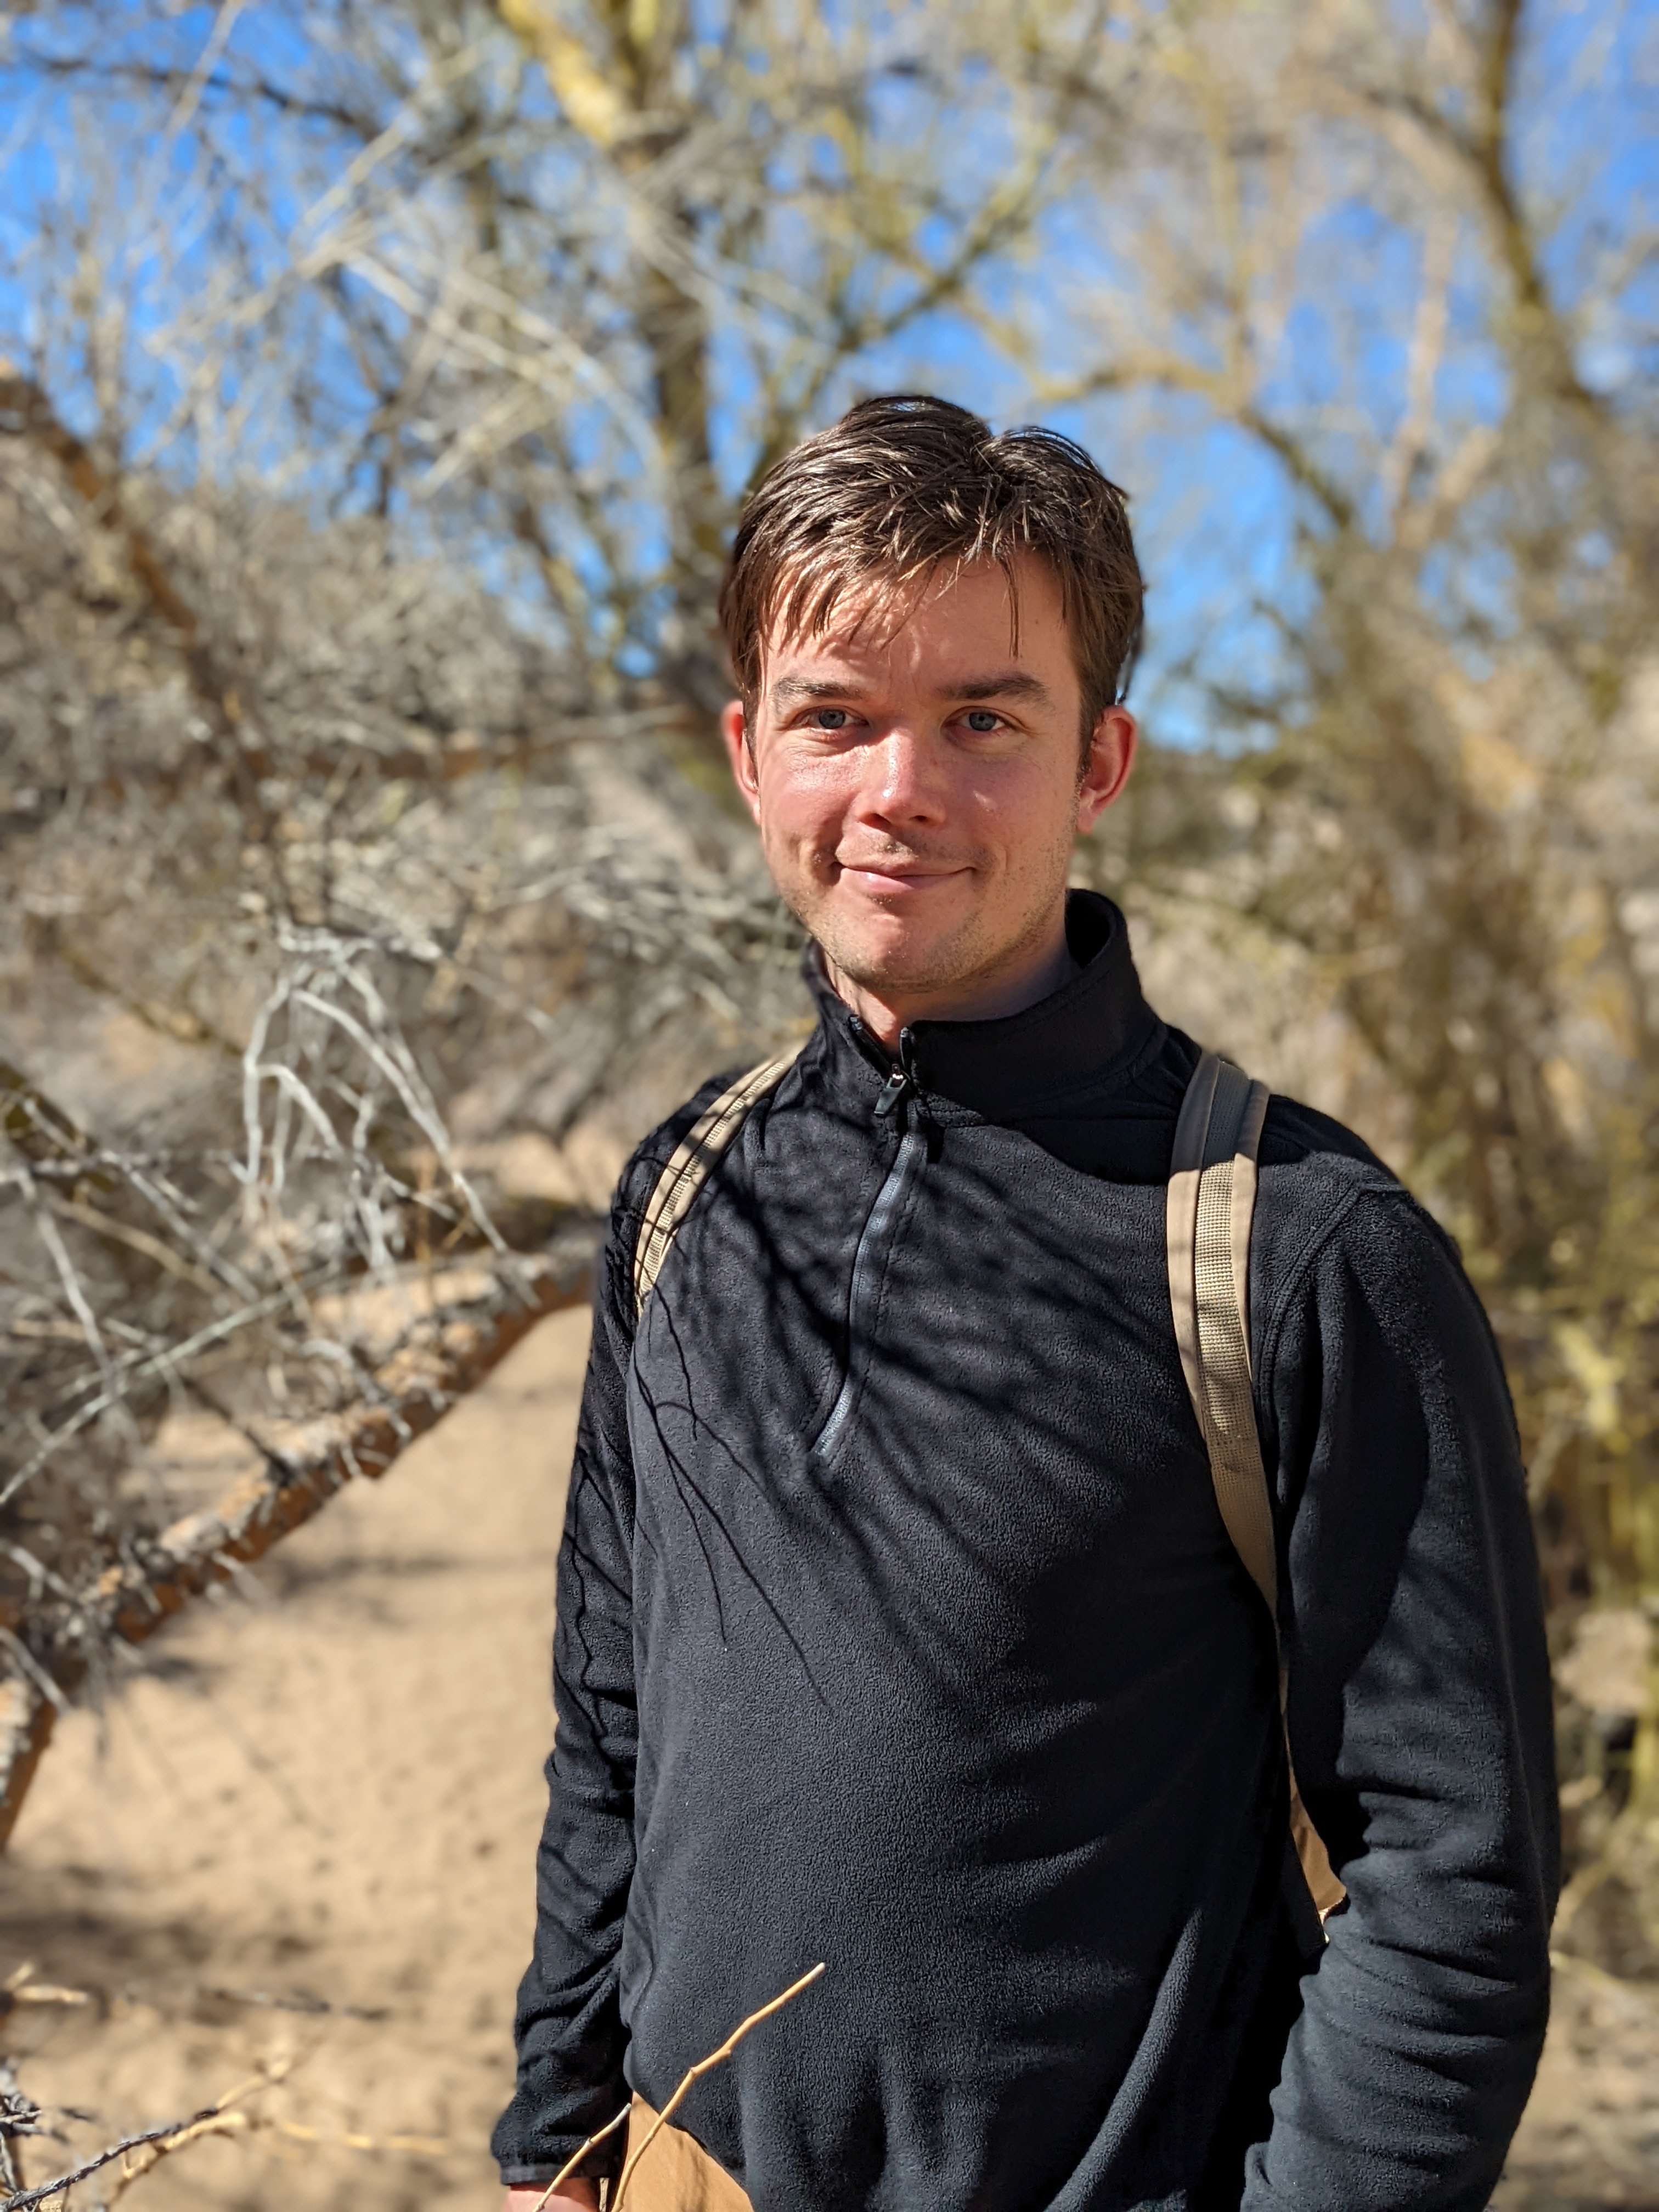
[[898, 961]]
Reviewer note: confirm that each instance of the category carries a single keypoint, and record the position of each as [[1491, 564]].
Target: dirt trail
[[332, 1797], [336, 1798]]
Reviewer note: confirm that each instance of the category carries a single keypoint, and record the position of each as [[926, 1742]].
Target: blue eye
[[829, 718], [981, 720]]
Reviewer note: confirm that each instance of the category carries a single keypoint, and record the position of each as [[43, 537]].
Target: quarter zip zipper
[[875, 1241], [890, 1092]]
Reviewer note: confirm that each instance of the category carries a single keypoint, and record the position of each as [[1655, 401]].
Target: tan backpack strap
[[1209, 1211], [1212, 1203], [690, 1166]]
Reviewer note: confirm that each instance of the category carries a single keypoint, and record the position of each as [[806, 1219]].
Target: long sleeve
[[1420, 1722], [567, 2027]]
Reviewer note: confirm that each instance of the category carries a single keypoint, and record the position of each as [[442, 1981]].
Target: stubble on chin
[[898, 964], [912, 970]]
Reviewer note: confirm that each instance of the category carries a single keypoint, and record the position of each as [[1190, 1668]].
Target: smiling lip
[[895, 877]]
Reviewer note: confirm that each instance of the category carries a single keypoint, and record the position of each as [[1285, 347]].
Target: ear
[[1105, 772], [734, 728]]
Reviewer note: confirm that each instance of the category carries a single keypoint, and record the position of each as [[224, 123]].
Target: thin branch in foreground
[[598, 2135], [707, 2065], [20, 2117], [703, 2066], [171, 2136]]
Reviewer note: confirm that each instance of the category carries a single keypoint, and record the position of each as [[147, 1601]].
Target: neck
[[1009, 988]]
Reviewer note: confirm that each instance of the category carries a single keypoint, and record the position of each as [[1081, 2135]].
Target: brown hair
[[899, 487]]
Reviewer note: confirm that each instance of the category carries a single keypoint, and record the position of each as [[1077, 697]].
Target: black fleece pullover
[[898, 1628]]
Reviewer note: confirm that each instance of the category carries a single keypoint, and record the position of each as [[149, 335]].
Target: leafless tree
[[361, 514], [1435, 803]]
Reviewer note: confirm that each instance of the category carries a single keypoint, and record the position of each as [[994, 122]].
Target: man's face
[[915, 778]]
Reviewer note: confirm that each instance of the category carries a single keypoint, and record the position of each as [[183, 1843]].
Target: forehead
[[930, 629]]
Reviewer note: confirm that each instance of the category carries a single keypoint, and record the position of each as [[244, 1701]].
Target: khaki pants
[[676, 2173]]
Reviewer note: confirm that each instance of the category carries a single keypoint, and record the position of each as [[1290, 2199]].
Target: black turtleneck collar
[[1093, 1027]]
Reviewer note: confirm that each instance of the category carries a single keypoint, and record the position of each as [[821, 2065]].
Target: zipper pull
[[890, 1092], [903, 1078]]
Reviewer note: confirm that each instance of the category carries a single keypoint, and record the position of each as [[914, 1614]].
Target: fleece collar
[[1089, 1031]]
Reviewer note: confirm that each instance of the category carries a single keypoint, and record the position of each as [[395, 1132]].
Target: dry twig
[[694, 2074], [158, 2142]]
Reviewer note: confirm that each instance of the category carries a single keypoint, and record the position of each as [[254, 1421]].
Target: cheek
[[804, 807], [1028, 811]]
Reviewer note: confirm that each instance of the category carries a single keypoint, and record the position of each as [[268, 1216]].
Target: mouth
[[897, 878]]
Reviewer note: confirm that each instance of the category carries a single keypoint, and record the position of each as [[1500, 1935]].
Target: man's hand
[[529, 2194]]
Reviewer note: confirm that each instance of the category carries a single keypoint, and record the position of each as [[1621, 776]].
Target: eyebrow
[[1012, 683], [1006, 683], [789, 691]]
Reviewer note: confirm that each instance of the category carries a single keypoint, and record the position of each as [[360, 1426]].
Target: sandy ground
[[332, 1797], [302, 1841]]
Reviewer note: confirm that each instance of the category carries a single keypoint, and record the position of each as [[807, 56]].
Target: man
[[898, 1627]]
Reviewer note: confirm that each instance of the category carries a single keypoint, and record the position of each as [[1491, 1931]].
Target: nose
[[902, 787]]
